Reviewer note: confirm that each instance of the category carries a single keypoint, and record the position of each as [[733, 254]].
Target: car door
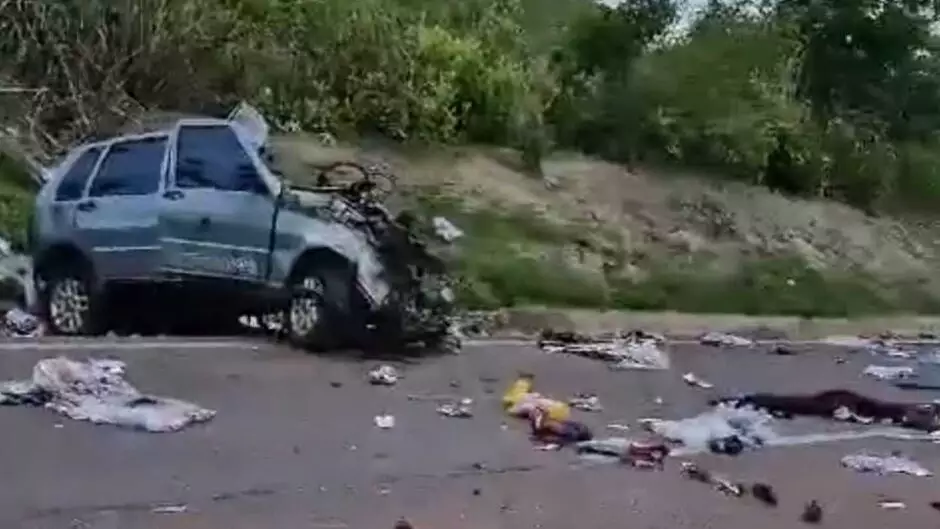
[[217, 210], [117, 221]]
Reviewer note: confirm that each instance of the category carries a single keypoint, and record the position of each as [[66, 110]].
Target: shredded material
[[96, 391]]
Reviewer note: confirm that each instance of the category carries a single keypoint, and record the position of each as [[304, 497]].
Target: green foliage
[[810, 97]]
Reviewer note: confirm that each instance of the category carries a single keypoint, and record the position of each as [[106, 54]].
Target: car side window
[[72, 185], [130, 168], [212, 157]]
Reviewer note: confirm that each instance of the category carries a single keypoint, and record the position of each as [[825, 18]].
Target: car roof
[[162, 129]]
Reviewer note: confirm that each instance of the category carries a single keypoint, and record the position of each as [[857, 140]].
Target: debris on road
[[812, 513], [751, 428], [383, 375], [586, 402], [645, 454], [622, 353], [547, 430], [782, 350], [169, 509], [893, 464], [96, 391], [765, 493], [692, 380], [721, 339], [21, 324], [892, 505], [722, 484], [521, 401], [461, 409], [403, 524], [888, 372], [385, 421]]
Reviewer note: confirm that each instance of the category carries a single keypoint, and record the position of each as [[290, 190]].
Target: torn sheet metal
[[96, 391]]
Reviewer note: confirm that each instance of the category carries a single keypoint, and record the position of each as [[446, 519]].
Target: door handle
[[173, 194], [87, 205]]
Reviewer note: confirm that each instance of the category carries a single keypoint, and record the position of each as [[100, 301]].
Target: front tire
[[71, 305], [317, 315]]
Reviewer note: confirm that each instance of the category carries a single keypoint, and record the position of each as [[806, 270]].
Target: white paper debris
[[446, 230], [385, 422], [692, 380]]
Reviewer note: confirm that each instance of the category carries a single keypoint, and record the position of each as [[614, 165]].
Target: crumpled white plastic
[[751, 426], [865, 462], [96, 391]]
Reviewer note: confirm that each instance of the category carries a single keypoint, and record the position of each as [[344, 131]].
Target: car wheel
[[309, 315], [71, 304]]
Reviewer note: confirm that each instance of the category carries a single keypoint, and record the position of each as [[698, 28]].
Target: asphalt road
[[294, 446]]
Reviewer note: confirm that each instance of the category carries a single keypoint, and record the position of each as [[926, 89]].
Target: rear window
[[130, 168], [73, 183]]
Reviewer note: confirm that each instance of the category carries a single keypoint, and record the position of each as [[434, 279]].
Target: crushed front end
[[420, 308]]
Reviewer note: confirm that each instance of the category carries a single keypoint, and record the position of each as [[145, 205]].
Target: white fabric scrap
[[96, 391]]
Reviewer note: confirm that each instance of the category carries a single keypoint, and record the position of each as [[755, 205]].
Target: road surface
[[294, 446]]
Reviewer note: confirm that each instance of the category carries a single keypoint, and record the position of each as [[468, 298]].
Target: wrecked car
[[196, 209]]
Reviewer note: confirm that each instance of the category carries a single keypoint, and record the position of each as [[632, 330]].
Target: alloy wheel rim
[[68, 305], [305, 308]]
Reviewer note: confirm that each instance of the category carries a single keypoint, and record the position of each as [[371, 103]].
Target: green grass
[[16, 202], [501, 266]]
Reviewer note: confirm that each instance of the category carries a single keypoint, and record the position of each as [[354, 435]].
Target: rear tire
[[71, 303]]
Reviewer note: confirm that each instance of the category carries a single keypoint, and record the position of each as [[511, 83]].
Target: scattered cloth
[[865, 462], [96, 391], [750, 428], [844, 405]]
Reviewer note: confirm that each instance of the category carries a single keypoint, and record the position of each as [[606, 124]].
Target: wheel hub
[[305, 307], [69, 302]]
